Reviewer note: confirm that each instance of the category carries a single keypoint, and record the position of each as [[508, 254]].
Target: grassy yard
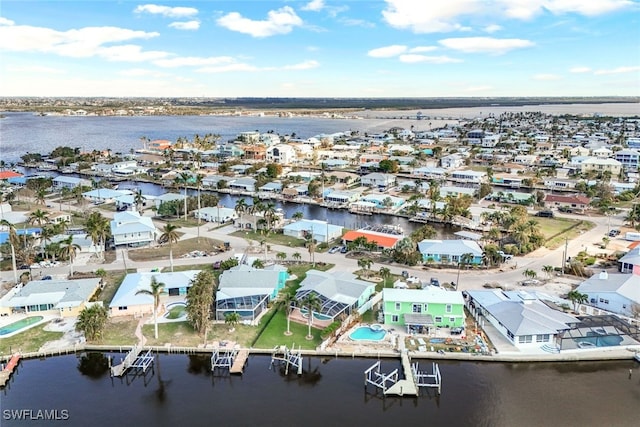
[[112, 282], [271, 239], [273, 334], [179, 249], [556, 230], [119, 331], [30, 340]]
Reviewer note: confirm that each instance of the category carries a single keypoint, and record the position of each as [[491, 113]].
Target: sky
[[320, 48]]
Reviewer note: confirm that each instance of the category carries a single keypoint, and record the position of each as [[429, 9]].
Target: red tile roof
[[382, 241], [9, 174]]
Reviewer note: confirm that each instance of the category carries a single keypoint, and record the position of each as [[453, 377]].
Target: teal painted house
[[420, 310], [450, 251]]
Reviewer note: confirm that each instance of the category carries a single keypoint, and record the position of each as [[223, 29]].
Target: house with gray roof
[[247, 291], [525, 321], [243, 184], [127, 301], [66, 298], [69, 182], [321, 231], [450, 251], [616, 293], [378, 180], [131, 229], [630, 260], [339, 292]]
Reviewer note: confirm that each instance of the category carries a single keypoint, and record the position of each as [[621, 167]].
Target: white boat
[[637, 357]]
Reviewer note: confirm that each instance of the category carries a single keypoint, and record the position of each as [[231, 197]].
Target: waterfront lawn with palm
[[28, 341], [271, 238], [273, 333]]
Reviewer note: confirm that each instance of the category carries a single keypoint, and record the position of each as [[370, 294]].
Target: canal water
[[181, 391]]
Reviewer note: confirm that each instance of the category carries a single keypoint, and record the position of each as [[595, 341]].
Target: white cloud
[[193, 61], [485, 44], [185, 25], [306, 65], [492, 28], [478, 88], [35, 69], [229, 68], [81, 43], [129, 53], [387, 51], [445, 16], [619, 70], [428, 17], [281, 21], [169, 12], [314, 6], [420, 49], [141, 72], [5, 21], [546, 77], [413, 58], [580, 70], [350, 22]]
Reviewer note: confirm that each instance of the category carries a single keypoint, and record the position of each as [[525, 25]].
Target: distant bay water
[[182, 391]]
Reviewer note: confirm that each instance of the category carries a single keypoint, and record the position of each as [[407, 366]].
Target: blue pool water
[[20, 324], [365, 333], [595, 340], [318, 316]]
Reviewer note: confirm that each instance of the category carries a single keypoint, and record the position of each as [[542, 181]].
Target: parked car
[[334, 249], [434, 282], [614, 233], [47, 278], [545, 214], [505, 257], [344, 250], [457, 331]]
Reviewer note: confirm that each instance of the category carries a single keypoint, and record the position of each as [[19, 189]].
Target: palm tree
[[40, 196], [577, 298], [289, 300], [257, 263], [138, 199], [312, 303], [68, 250], [296, 256], [98, 230], [232, 319], [156, 289], [548, 269], [12, 239], [38, 217], [46, 234], [297, 216], [183, 178], [311, 247], [240, 208], [465, 259], [199, 184], [281, 256], [170, 235], [365, 263], [385, 273]]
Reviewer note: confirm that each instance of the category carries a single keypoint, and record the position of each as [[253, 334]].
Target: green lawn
[[28, 341], [556, 230], [273, 334], [271, 239]]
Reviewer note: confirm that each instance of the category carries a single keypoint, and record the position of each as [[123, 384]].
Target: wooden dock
[[5, 374], [406, 386], [239, 362], [120, 369]]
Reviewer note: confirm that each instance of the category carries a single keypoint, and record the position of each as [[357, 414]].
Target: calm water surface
[[182, 392]]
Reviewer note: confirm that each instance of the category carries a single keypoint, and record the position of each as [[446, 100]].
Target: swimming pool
[[20, 324], [595, 339], [318, 316], [176, 310], [366, 333]]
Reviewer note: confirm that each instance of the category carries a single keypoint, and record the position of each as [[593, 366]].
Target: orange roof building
[[382, 240], [8, 174]]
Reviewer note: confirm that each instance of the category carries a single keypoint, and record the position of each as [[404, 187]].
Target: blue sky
[[320, 48]]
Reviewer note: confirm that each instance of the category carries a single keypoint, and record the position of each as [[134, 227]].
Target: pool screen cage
[[606, 330], [328, 307]]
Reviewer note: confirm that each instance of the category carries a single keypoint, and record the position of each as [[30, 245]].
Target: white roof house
[[523, 319], [66, 297], [320, 230], [104, 194], [338, 291], [216, 214], [617, 293], [450, 251], [126, 302], [129, 228]]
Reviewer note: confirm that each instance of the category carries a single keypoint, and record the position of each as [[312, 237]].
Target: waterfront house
[[157, 145], [65, 298], [377, 180], [524, 320], [450, 251], [128, 202], [629, 159], [274, 187], [320, 231], [257, 221], [247, 291], [616, 293], [69, 182], [7, 175], [339, 292], [453, 161], [282, 153], [454, 191], [216, 214], [423, 310], [131, 229], [104, 195], [430, 172], [127, 302], [383, 201], [468, 176], [167, 198], [245, 184], [612, 166], [342, 197]]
